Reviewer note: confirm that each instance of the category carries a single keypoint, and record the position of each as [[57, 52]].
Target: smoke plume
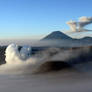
[[14, 56], [79, 26], [72, 25]]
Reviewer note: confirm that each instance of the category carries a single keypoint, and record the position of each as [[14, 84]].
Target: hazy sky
[[26, 18]]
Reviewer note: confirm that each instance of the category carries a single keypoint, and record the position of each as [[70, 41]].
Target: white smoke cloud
[[14, 56]]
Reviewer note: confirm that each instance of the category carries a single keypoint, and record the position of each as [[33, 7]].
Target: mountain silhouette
[[57, 35]]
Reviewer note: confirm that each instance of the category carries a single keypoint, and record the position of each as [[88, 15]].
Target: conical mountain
[[56, 35]]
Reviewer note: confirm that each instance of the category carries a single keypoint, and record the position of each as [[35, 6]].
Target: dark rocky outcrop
[[2, 54]]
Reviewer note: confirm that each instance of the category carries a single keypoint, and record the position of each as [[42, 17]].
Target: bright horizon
[[33, 19]]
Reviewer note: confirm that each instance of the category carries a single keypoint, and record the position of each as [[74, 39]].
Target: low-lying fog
[[52, 43]]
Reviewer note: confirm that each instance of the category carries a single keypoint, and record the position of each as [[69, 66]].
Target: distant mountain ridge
[[56, 35], [65, 40]]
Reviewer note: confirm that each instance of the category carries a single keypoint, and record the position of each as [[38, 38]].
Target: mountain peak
[[56, 32], [56, 35]]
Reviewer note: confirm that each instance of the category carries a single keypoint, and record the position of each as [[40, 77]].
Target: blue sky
[[34, 18]]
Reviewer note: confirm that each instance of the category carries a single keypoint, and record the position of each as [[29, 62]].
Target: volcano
[[57, 35]]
